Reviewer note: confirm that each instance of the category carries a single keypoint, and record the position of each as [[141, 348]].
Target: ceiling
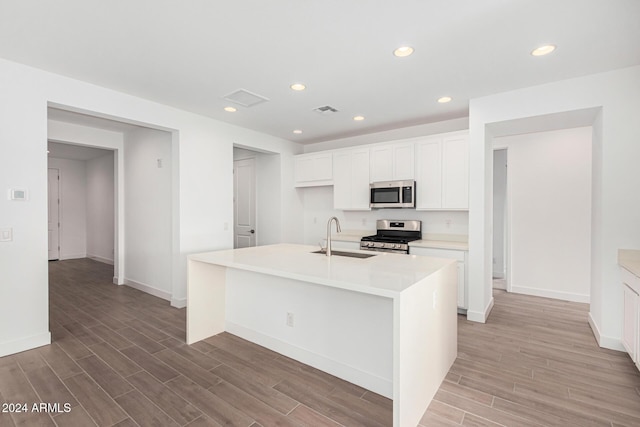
[[190, 54]]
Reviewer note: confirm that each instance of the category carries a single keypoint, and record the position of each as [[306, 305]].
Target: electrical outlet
[[290, 320], [226, 226], [448, 222], [364, 221]]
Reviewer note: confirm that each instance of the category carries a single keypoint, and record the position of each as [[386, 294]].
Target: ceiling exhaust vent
[[326, 110], [245, 98]]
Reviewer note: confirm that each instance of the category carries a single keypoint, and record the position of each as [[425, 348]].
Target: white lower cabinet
[[460, 256], [631, 315]]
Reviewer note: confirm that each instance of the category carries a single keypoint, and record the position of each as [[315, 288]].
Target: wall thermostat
[[17, 194]]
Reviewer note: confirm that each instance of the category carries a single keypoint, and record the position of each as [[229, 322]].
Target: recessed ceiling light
[[403, 51], [444, 99], [358, 118], [298, 86], [297, 131], [543, 50], [230, 109]]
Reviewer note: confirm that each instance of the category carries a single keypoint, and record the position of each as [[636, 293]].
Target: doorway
[[81, 203]]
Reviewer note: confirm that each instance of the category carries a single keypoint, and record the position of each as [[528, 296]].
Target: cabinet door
[[303, 167], [403, 161], [342, 180], [381, 164], [455, 173], [429, 174], [630, 327], [351, 180], [313, 169], [360, 179]]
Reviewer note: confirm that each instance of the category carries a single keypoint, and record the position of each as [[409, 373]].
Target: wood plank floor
[[118, 357]]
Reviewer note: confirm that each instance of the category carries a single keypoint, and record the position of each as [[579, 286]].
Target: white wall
[[100, 208], [73, 203], [148, 212], [318, 208], [615, 98], [201, 181], [549, 177]]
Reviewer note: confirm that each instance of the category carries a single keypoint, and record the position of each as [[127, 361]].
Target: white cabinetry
[[314, 169], [351, 179], [442, 172], [460, 257], [392, 162], [631, 326]]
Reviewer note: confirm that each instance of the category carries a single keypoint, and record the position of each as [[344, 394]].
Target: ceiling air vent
[[326, 110], [245, 98]]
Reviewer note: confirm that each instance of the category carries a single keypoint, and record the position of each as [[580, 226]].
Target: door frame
[[254, 214], [57, 228], [506, 239]]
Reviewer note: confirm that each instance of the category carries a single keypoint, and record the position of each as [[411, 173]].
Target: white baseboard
[[64, 257], [565, 296], [178, 302], [23, 344], [349, 373], [480, 316], [148, 289], [100, 259], [602, 340]]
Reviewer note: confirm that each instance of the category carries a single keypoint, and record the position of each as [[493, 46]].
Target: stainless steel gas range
[[392, 236]]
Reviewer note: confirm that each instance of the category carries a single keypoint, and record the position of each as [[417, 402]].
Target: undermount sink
[[347, 254]]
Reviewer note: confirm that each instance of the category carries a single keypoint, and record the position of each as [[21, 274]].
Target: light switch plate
[[18, 194], [6, 234]]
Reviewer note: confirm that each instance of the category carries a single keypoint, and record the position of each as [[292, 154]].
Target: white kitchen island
[[387, 323]]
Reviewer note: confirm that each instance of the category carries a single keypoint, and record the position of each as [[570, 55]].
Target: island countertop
[[384, 274]]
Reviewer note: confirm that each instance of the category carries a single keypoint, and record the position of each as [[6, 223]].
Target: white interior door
[[244, 206], [54, 214]]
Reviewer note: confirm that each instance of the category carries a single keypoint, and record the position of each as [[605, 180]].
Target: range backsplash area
[[318, 208]]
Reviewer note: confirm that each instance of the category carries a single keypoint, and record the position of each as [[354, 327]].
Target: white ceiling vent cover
[[245, 98], [326, 110]]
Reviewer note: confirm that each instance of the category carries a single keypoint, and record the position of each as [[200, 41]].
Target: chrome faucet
[[328, 251]]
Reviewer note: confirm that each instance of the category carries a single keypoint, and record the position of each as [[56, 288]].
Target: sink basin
[[347, 254]]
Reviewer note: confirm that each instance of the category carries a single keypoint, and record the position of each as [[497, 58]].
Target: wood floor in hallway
[[118, 357]]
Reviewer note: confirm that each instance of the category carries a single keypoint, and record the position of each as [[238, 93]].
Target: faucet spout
[[328, 252]]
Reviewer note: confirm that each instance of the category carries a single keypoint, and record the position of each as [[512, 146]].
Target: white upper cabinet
[[455, 172], [392, 162], [429, 174], [314, 169], [351, 179], [442, 172]]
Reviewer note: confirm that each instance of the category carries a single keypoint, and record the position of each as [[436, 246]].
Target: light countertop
[[630, 259], [384, 274]]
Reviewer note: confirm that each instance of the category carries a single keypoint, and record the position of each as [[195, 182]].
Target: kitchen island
[[387, 323]]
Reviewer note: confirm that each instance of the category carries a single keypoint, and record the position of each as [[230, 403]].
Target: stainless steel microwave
[[393, 194]]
